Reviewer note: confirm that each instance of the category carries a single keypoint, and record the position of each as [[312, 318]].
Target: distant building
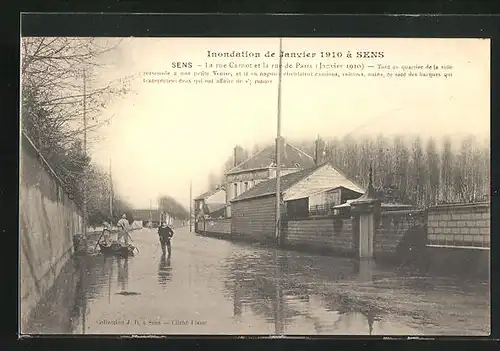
[[253, 212], [153, 215], [210, 203], [262, 167], [146, 215]]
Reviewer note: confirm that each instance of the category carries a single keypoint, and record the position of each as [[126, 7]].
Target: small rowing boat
[[116, 248]]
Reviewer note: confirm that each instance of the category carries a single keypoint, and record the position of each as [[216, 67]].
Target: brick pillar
[[365, 212]]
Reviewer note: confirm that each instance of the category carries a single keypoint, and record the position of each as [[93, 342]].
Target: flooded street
[[212, 286]]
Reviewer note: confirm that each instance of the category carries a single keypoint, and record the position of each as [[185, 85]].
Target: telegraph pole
[[278, 156], [150, 213], [190, 206], [110, 193], [85, 152]]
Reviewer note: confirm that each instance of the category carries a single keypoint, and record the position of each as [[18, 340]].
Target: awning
[[344, 205]]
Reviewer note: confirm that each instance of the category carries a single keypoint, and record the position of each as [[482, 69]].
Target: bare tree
[[464, 174], [401, 155], [365, 160], [98, 188], [351, 158], [59, 86], [447, 161], [173, 207], [58, 76], [418, 169], [433, 169]]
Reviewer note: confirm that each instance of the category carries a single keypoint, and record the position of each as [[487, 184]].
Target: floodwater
[[211, 286]]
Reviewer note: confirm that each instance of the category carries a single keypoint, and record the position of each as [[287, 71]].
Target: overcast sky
[[163, 135]]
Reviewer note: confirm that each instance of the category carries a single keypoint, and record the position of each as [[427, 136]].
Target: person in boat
[[123, 228], [106, 232], [165, 233]]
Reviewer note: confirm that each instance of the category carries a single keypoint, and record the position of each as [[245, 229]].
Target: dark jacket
[[165, 233]]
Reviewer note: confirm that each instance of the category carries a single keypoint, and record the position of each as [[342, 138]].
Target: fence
[[322, 210]]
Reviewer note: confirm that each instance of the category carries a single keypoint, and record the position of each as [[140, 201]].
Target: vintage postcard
[[263, 186]]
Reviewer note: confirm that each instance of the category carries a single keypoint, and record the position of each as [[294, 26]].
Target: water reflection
[[271, 291], [263, 289], [280, 263], [273, 287], [108, 265], [122, 264], [237, 296], [164, 271], [364, 269]]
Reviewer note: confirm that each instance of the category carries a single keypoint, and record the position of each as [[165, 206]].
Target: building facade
[[209, 202], [254, 211], [262, 167]]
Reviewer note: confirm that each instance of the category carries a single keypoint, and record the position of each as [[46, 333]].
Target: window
[[245, 187], [235, 189]]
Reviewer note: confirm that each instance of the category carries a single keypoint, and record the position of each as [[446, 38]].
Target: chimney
[[318, 158], [235, 156]]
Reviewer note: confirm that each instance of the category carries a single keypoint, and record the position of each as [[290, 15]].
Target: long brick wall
[[327, 233], [459, 225]]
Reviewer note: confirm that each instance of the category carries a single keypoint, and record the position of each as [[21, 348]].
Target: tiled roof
[[269, 186], [287, 181], [213, 207], [206, 194], [291, 157]]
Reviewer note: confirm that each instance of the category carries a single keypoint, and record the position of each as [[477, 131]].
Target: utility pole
[[110, 194], [150, 213], [190, 206], [85, 153], [278, 156]]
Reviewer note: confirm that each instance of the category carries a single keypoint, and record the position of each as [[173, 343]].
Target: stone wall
[[48, 220], [217, 227], [459, 225], [391, 229], [323, 233]]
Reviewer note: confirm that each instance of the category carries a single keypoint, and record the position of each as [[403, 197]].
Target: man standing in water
[[123, 229], [165, 233]]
